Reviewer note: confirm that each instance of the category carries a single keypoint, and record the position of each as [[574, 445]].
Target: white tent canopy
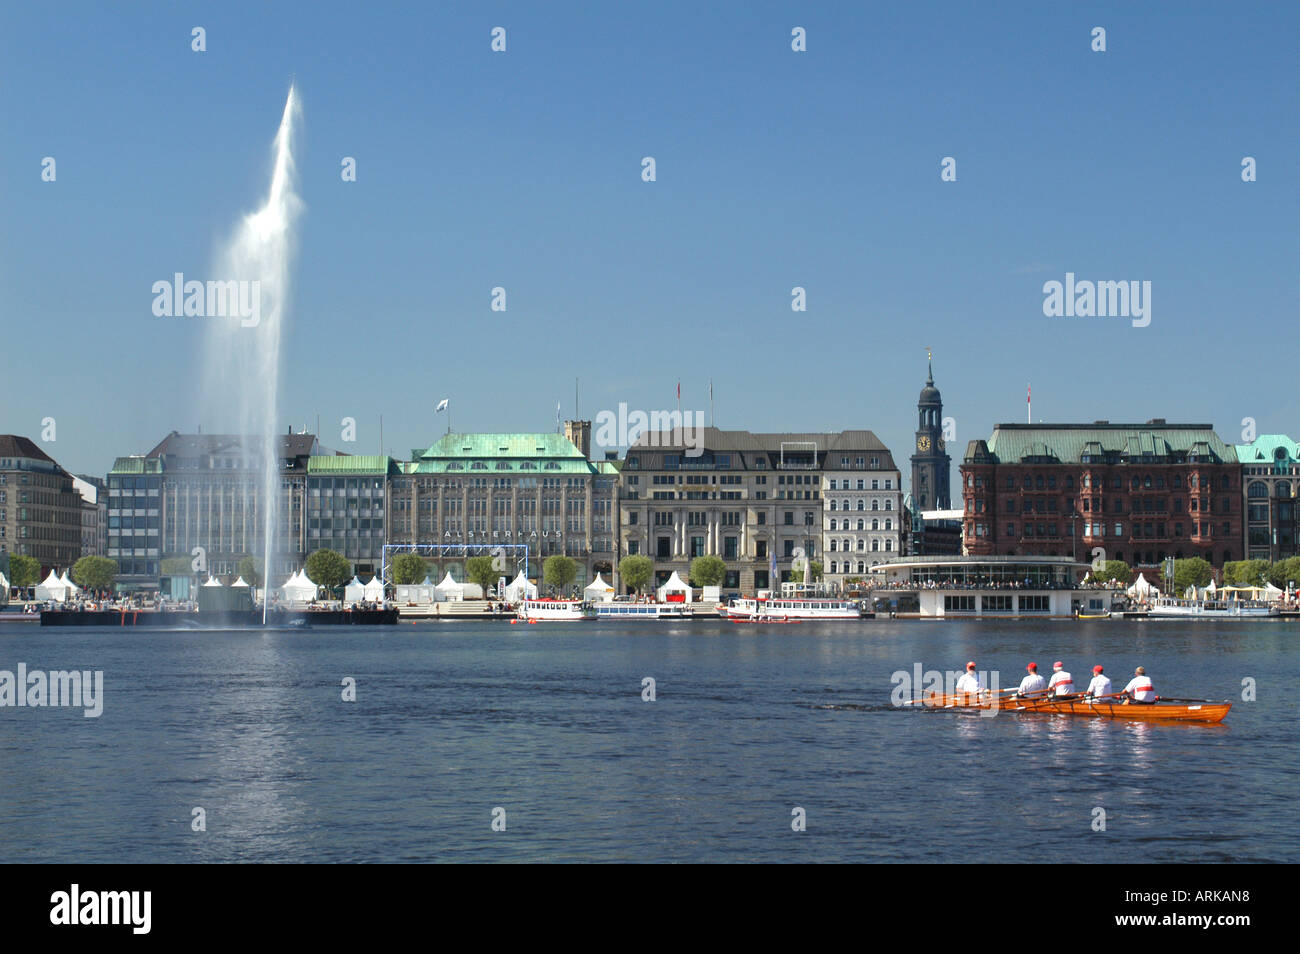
[[675, 584], [298, 588], [451, 590], [212, 581], [374, 590], [521, 589], [52, 588], [354, 591], [599, 590], [239, 582], [1272, 592], [73, 588], [1141, 589]]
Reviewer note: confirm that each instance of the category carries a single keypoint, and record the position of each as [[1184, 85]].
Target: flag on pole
[[442, 406]]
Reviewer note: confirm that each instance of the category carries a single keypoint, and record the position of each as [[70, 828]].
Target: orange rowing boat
[[1078, 706]]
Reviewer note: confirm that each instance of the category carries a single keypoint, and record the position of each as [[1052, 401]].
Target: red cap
[[1058, 665], [1096, 669], [970, 665], [1032, 667]]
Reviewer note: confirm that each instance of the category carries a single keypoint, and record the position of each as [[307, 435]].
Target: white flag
[[442, 406]]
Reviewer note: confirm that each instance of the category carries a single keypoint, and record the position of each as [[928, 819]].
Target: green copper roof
[[137, 465], [1068, 443], [487, 454], [369, 464], [1265, 450]]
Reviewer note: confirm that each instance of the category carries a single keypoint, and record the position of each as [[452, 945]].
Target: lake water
[[547, 722]]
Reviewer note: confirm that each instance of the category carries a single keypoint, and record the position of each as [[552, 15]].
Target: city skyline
[[776, 170]]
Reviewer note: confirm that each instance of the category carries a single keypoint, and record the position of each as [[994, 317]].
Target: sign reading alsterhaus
[[759, 501]]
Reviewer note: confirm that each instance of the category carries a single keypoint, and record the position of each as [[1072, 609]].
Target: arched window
[[835, 505], [875, 524], [889, 546], [832, 546], [862, 544], [1282, 489], [847, 546], [862, 504], [1257, 489], [875, 504], [889, 523], [862, 524], [889, 505], [875, 546]]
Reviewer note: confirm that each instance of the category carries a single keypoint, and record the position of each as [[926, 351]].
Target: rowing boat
[[1078, 706]]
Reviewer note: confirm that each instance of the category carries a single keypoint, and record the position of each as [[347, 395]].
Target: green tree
[[1191, 572], [1116, 570], [409, 569], [328, 569], [817, 570], [1246, 572], [559, 571], [1284, 571], [636, 571], [480, 570], [249, 570], [708, 571], [94, 572], [24, 570]]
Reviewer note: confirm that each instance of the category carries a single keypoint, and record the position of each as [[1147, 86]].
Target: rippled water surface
[[547, 722]]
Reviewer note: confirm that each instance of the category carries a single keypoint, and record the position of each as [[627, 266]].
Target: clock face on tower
[[923, 444]]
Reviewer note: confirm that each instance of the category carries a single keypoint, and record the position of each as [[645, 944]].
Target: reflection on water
[[451, 721]]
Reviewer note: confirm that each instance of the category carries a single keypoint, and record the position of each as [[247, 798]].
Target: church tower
[[930, 464]]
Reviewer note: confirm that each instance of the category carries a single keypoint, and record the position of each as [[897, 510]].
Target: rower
[[1140, 688], [969, 682], [1100, 685], [1062, 683], [1033, 686]]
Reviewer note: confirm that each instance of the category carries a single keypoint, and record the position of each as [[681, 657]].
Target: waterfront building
[[94, 514], [759, 501], [933, 532], [941, 586], [347, 507], [1270, 472], [527, 494], [1139, 492], [202, 493], [40, 509]]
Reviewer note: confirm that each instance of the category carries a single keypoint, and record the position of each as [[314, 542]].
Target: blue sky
[[774, 169]]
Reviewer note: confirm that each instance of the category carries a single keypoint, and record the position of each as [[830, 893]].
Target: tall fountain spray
[[243, 373]]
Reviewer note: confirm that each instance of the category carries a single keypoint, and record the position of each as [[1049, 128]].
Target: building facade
[[198, 497], [758, 501], [518, 496], [1270, 483], [347, 508], [41, 511], [1138, 492]]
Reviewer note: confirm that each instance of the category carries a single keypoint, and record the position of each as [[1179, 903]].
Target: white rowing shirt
[[1142, 689], [1062, 682], [1100, 686], [1032, 685], [968, 683]]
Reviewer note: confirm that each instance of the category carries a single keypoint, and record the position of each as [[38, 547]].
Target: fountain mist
[[243, 373]]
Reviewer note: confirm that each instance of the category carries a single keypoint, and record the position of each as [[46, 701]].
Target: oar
[[1172, 699]]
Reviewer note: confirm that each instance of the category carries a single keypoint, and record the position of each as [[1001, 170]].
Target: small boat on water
[[1171, 608], [1204, 712], [642, 611], [1105, 614], [798, 601], [546, 611]]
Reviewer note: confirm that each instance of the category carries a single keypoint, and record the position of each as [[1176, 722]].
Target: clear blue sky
[[775, 169]]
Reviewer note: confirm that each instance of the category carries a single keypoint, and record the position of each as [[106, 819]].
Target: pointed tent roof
[[239, 582], [212, 581], [66, 581]]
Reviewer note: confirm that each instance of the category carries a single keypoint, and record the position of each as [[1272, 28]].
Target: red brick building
[[1142, 492]]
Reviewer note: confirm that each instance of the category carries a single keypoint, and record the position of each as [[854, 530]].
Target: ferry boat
[[642, 611], [1172, 608], [798, 601], [539, 611]]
